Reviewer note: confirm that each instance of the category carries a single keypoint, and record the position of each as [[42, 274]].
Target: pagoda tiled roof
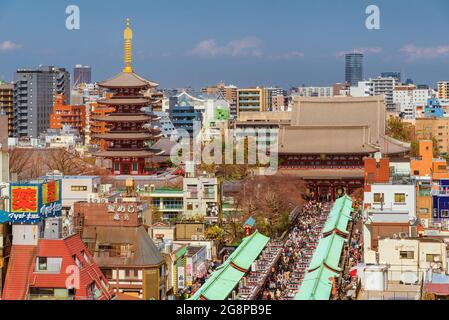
[[120, 135], [127, 80], [123, 101], [118, 118]]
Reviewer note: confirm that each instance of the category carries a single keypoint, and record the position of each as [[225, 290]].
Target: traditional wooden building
[[325, 140], [127, 139]]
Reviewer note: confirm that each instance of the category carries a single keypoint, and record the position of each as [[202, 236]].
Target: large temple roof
[[127, 80]]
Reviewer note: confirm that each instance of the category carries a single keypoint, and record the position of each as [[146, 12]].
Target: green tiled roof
[[224, 279], [328, 252], [339, 216], [316, 285]]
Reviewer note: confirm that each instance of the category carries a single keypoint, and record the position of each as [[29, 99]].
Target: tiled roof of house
[[16, 282], [22, 275]]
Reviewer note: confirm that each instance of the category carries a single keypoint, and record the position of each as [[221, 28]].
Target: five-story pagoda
[[127, 139]]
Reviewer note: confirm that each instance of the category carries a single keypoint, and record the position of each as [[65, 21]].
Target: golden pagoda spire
[[128, 52]]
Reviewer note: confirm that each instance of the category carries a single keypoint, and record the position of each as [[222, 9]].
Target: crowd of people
[[285, 277], [354, 254]]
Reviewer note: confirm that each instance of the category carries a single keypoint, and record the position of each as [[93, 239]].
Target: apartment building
[[407, 98], [34, 93], [443, 89], [252, 99], [7, 105]]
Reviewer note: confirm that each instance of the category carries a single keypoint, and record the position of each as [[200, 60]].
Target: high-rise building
[[81, 74], [353, 68], [7, 105], [443, 90], [252, 99], [34, 93]]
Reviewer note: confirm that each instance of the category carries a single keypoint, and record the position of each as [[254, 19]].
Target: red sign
[[24, 199]]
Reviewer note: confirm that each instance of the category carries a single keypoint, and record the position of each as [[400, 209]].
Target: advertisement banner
[[31, 202]]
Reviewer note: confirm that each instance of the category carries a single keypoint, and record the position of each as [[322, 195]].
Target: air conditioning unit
[[202, 238], [194, 237]]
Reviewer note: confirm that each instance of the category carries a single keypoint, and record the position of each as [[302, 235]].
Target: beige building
[[410, 259], [252, 99], [438, 128], [443, 90], [7, 106]]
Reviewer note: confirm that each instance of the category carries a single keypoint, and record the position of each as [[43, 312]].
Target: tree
[[18, 161], [399, 130], [270, 199], [215, 233], [68, 163]]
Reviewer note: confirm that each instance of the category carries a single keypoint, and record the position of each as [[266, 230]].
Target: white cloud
[[414, 53], [289, 55], [365, 50], [246, 47], [9, 45]]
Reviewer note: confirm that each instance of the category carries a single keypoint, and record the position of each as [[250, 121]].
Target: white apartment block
[[407, 98], [314, 92], [377, 87]]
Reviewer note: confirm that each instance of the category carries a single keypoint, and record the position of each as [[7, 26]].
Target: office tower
[[443, 90], [7, 105], [388, 74], [34, 93], [353, 68], [81, 74]]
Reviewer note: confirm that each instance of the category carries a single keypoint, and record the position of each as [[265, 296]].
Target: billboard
[[32, 202]]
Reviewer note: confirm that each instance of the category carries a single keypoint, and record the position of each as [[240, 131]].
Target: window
[[399, 197], [416, 172], [433, 257], [78, 188], [42, 264], [189, 206], [117, 166], [378, 197], [85, 256], [444, 213], [135, 166], [406, 254]]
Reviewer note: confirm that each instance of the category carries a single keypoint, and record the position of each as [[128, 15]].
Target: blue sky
[[244, 42]]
